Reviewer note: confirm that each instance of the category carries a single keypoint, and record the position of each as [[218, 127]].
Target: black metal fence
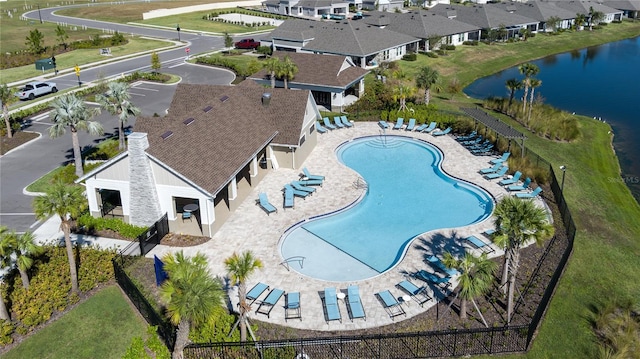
[[147, 240]]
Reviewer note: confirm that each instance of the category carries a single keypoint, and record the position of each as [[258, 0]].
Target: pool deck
[[250, 228]]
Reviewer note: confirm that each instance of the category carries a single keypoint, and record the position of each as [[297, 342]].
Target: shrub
[[103, 151], [6, 329], [432, 54], [471, 43], [410, 57], [93, 224], [450, 47]]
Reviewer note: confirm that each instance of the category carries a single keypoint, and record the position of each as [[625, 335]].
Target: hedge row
[[93, 224]]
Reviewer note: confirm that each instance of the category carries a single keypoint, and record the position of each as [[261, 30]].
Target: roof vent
[[188, 121], [224, 98], [207, 109], [266, 98], [166, 135]]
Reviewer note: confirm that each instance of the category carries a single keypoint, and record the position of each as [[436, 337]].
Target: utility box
[[44, 64]]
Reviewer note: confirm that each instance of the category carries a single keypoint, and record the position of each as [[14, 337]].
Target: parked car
[[33, 89], [247, 44], [357, 16], [334, 16]]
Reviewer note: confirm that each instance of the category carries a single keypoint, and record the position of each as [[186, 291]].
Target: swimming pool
[[408, 194]]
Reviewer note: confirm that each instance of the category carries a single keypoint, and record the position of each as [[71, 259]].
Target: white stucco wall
[[187, 9]]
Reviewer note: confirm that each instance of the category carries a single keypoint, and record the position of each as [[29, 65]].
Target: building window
[[312, 128], [302, 139]]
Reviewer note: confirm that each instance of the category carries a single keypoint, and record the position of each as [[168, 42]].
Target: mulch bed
[[19, 138]]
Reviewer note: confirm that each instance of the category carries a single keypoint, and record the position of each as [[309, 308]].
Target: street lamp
[[563, 168], [178, 29]]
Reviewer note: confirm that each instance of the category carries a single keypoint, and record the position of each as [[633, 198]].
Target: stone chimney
[[144, 206]]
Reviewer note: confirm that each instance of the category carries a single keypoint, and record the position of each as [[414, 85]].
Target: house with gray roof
[[334, 81], [630, 8], [211, 149], [365, 44], [585, 8], [487, 17], [541, 11], [383, 5], [307, 8], [424, 25]]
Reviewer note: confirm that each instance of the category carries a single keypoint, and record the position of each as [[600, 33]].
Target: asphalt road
[[26, 164]]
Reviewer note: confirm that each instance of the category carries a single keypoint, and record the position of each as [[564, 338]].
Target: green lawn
[[194, 21], [102, 327]]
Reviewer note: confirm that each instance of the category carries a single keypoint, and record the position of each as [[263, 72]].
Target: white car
[[33, 89]]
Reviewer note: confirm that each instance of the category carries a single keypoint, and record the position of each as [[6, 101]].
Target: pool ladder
[[299, 259]]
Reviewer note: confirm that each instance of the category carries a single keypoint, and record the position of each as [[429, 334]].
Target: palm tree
[[518, 222], [6, 243], [117, 101], [400, 93], [70, 111], [426, 78], [25, 249], [287, 70], [6, 97], [67, 202], [533, 83], [513, 85], [528, 70], [191, 295], [476, 277], [240, 267], [579, 21], [596, 18], [272, 65]]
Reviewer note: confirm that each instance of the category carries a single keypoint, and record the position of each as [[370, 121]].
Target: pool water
[[408, 194]]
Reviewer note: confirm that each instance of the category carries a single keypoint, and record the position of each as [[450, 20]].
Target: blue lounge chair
[[356, 310], [328, 124], [512, 180], [482, 150], [330, 304], [319, 128], [264, 203], [288, 198], [345, 121], [399, 123], [422, 127], [270, 301], [504, 157], [533, 194], [432, 126], [441, 133], [383, 124], [521, 187], [428, 277], [468, 137], [495, 167], [479, 244], [309, 176], [411, 125], [292, 307], [311, 182], [472, 142], [390, 304], [336, 120], [296, 192], [438, 265], [187, 215], [297, 185], [256, 291], [489, 232], [419, 294], [498, 174]]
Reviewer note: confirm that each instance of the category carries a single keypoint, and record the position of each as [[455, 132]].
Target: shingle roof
[[314, 69], [421, 24], [485, 16], [623, 4], [356, 38], [209, 148], [583, 7], [538, 10], [493, 123]]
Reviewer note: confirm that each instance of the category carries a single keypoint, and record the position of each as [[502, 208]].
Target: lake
[[601, 81]]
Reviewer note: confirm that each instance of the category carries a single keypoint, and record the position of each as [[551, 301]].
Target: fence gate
[[152, 236]]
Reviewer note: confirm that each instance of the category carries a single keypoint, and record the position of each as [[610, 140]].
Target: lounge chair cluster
[[338, 122], [499, 169], [292, 307], [475, 143], [355, 309], [299, 188], [410, 126]]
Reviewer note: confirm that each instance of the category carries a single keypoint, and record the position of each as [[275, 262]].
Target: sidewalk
[[49, 233]]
